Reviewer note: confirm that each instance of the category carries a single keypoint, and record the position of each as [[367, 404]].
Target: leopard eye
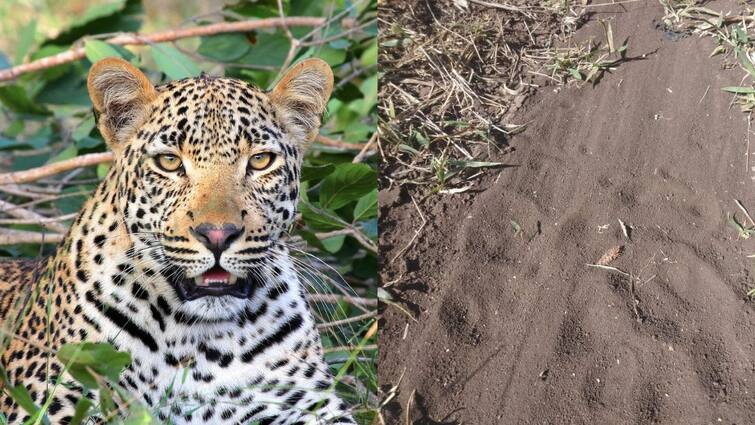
[[168, 162], [260, 161]]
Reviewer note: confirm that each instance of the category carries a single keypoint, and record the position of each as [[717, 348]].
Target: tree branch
[[14, 237], [160, 37], [16, 211], [55, 168]]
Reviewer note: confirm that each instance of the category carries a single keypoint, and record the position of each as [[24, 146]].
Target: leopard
[[179, 258]]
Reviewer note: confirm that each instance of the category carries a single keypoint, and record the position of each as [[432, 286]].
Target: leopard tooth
[[198, 280], [232, 279]]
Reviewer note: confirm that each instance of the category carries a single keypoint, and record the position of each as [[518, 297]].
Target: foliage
[[46, 117]]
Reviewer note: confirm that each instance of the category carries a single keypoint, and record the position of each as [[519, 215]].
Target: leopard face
[[207, 175]]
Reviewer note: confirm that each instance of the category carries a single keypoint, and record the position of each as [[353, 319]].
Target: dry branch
[[335, 298], [160, 37], [13, 237], [340, 144], [104, 157], [18, 212], [55, 168]]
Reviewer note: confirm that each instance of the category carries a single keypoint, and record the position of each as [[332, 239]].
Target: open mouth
[[215, 282]]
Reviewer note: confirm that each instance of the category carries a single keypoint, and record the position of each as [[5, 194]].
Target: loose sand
[[516, 328]]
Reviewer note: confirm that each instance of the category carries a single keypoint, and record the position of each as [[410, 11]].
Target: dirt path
[[516, 329]]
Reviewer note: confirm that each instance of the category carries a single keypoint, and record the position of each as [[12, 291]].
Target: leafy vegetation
[[46, 118]]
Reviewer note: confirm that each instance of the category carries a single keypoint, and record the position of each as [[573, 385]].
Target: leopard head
[[205, 177]]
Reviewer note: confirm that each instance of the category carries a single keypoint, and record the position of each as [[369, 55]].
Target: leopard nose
[[216, 238]]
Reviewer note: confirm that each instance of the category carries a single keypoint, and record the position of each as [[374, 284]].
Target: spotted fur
[[215, 359]]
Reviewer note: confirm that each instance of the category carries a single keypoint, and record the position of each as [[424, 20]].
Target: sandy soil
[[516, 329]]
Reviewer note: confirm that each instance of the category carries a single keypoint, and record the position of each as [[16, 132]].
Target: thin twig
[[366, 149], [341, 348], [37, 220], [160, 37], [340, 144], [15, 237], [367, 315], [55, 168], [335, 298], [610, 269], [22, 213], [497, 6], [293, 41], [614, 3]]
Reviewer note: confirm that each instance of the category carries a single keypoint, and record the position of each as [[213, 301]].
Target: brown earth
[[516, 329]]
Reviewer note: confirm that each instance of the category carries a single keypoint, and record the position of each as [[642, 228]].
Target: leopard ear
[[302, 95], [121, 95]]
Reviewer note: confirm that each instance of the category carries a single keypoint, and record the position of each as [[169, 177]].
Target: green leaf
[[311, 239], [8, 144], [67, 153], [68, 88], [14, 128], [173, 63], [139, 415], [330, 55], [257, 9], [88, 143], [268, 50], [102, 170], [15, 98], [103, 17], [369, 56], [41, 138], [82, 411], [333, 244], [83, 129], [319, 218], [316, 172], [97, 50], [366, 206], [421, 138], [101, 358], [97, 11], [25, 41], [107, 404], [745, 61], [340, 43], [740, 90], [406, 148], [346, 184], [25, 162], [224, 47], [369, 91]]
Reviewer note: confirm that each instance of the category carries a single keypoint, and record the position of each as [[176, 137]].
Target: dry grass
[[452, 76], [731, 30]]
